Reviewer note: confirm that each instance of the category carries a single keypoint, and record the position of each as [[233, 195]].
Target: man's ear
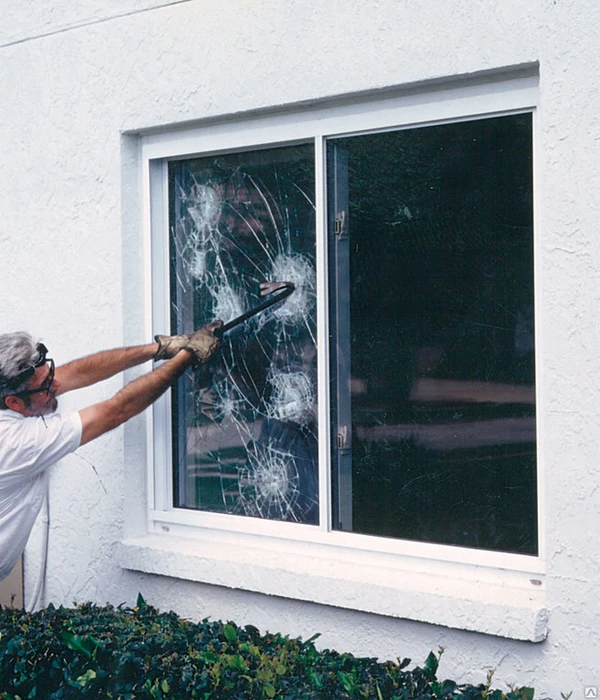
[[15, 403]]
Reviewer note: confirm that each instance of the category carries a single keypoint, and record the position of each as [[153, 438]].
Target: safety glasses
[[28, 372], [46, 384]]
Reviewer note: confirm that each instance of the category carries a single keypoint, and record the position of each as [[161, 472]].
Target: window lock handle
[[343, 437]]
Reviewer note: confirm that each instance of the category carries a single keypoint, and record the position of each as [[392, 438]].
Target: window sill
[[481, 599]]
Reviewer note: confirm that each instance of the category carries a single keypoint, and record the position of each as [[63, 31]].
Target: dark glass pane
[[441, 334], [244, 431]]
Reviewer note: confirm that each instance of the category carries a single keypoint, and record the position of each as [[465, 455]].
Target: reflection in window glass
[[434, 411], [244, 432]]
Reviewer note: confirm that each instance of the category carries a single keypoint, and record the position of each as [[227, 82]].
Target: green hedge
[[107, 652]]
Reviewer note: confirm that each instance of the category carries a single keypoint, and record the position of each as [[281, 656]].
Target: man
[[33, 435]]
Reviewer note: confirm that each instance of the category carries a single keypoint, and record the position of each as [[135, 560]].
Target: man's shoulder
[[29, 444], [8, 417], [11, 421]]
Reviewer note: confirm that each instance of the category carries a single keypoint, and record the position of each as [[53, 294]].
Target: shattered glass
[[244, 426]]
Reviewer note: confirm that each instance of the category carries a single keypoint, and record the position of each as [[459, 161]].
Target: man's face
[[40, 394]]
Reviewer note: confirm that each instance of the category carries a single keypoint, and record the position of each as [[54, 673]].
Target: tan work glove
[[204, 343], [170, 345]]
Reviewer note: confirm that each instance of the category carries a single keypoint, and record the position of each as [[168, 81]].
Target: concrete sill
[[502, 603]]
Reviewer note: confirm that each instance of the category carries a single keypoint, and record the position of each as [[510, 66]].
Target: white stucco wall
[[75, 75]]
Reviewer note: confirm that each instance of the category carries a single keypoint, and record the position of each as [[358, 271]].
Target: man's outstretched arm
[[86, 371], [140, 393], [132, 399]]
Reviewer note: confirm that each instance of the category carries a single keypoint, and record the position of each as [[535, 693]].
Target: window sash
[[237, 221], [469, 264]]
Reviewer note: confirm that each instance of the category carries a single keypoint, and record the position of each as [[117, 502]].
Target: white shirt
[[28, 446]]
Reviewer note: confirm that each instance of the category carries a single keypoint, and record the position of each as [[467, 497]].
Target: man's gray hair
[[18, 352]]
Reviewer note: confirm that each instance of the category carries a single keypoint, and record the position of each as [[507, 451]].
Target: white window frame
[[493, 592]]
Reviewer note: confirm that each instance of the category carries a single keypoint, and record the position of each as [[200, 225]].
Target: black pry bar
[[277, 295]]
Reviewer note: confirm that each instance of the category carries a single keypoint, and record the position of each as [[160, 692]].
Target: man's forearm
[[102, 365], [133, 398], [143, 391]]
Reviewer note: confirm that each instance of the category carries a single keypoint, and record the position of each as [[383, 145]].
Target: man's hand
[[204, 343], [170, 345]]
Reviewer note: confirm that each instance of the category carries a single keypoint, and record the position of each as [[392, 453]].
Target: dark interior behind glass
[[431, 231]]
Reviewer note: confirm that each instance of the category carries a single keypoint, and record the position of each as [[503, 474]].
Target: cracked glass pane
[[244, 426], [431, 258]]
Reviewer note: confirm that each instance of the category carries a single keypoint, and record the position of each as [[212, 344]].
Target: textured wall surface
[[75, 75]]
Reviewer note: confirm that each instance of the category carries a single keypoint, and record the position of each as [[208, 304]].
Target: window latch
[[343, 437], [340, 224]]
